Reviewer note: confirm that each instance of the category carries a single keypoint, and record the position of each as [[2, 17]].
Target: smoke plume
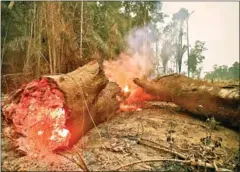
[[136, 62]]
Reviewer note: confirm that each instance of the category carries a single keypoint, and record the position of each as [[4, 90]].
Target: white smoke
[[137, 62]]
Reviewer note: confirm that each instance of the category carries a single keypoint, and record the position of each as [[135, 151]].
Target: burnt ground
[[159, 131]]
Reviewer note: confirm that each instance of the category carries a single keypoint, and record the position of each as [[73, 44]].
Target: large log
[[198, 97], [65, 105]]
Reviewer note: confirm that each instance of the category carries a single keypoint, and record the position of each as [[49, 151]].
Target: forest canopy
[[39, 38]]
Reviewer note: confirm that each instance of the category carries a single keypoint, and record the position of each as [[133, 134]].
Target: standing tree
[[180, 17], [196, 58], [234, 70], [166, 53], [224, 72], [49, 37], [168, 36], [188, 41]]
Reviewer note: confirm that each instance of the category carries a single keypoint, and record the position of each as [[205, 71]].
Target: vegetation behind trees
[[224, 72], [39, 38]]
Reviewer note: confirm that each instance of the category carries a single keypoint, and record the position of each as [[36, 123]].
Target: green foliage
[[212, 123], [237, 160], [15, 21], [196, 58], [175, 166], [181, 15], [45, 37], [234, 71], [224, 72], [46, 32]]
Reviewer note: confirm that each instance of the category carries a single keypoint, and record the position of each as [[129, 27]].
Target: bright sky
[[216, 23]]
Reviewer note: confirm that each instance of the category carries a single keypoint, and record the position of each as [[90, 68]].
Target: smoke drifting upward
[[137, 62]]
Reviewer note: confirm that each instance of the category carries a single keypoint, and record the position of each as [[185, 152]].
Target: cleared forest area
[[112, 86]]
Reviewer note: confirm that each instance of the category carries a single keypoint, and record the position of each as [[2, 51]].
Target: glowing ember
[[127, 108], [139, 96], [57, 113], [138, 61], [53, 137], [126, 89], [41, 116], [40, 132], [135, 100], [64, 132]]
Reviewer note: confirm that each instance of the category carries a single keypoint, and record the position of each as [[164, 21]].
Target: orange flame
[[126, 89], [40, 132]]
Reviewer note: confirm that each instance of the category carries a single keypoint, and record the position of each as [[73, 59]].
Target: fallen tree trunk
[[55, 111], [198, 97]]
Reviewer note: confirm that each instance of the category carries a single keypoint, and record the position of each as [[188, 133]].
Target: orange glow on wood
[[64, 132], [41, 115], [40, 132], [135, 100]]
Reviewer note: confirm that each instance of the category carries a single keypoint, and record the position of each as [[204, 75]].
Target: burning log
[[198, 97], [55, 111]]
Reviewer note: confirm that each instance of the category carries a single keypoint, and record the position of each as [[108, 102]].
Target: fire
[[127, 107], [137, 61], [40, 132], [64, 132], [135, 100], [126, 89], [41, 115]]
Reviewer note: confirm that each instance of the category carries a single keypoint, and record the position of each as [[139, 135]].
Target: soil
[[138, 136]]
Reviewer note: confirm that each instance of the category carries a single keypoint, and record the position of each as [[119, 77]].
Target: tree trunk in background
[[181, 49], [188, 50], [164, 67], [81, 39], [198, 97], [29, 49]]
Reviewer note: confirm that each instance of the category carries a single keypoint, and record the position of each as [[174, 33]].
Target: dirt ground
[[155, 133]]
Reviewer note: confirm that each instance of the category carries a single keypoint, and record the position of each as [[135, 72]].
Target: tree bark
[[88, 95], [89, 99], [198, 97]]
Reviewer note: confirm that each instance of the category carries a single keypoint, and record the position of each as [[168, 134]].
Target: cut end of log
[[54, 112], [40, 115]]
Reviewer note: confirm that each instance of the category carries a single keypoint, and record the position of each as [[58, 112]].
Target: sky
[[215, 23]]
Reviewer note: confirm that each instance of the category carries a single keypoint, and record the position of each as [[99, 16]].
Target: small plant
[[169, 133], [212, 123], [206, 140], [175, 166], [210, 144], [237, 159]]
